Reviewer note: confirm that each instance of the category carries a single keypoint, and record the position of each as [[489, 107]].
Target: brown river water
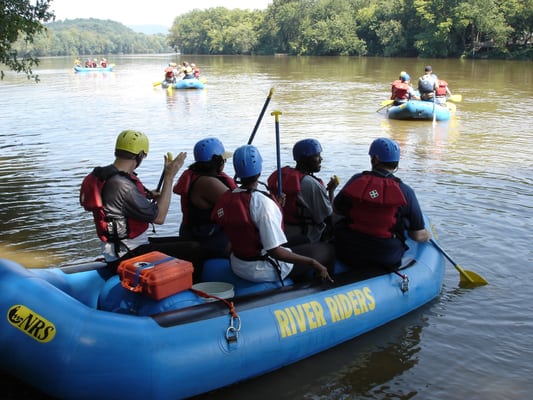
[[472, 174]]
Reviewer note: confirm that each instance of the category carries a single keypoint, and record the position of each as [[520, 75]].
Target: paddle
[[384, 104], [276, 115], [434, 109], [468, 278], [456, 98], [169, 159], [155, 84], [270, 93]]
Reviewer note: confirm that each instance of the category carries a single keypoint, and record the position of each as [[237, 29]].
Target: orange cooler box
[[156, 275]]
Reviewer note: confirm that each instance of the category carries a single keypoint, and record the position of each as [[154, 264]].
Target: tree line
[[417, 28]]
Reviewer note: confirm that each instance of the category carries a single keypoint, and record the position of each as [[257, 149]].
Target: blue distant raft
[[76, 333], [192, 83], [109, 68], [423, 110]]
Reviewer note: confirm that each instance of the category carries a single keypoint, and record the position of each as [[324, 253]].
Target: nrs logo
[[31, 323]]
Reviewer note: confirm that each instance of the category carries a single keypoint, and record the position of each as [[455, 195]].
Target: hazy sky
[[134, 12]]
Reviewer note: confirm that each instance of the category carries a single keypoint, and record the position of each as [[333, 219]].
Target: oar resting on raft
[[468, 278]]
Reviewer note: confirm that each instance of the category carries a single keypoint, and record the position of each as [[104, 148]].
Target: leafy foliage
[[21, 20]]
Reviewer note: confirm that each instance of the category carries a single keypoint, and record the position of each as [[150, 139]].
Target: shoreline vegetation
[[428, 29]]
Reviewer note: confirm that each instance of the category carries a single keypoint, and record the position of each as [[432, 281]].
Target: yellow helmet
[[133, 142]]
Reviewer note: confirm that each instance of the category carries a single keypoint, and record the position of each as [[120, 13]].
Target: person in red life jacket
[[200, 186], [195, 71], [378, 209], [307, 210], [253, 221], [442, 92], [401, 89], [103, 63], [169, 75], [123, 208]]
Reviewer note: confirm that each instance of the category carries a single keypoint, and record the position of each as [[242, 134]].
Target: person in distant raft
[[401, 90], [427, 84], [377, 208], [123, 208], [307, 209], [253, 221]]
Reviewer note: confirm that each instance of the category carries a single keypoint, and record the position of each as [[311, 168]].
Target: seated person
[[253, 222], [200, 186], [307, 209], [377, 208], [427, 84], [402, 91]]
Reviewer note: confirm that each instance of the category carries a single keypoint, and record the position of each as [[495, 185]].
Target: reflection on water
[[472, 176]]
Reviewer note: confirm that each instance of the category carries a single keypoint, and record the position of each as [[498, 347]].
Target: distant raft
[[423, 110], [192, 83], [109, 68]]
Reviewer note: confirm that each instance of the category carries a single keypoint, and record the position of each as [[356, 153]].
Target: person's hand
[[281, 199], [323, 271], [173, 166], [333, 183]]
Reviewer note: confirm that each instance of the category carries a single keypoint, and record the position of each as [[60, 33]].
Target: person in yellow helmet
[[123, 208]]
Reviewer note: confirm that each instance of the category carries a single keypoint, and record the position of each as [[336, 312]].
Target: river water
[[472, 174]]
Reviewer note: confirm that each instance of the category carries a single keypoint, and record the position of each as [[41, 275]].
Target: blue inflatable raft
[[419, 109], [192, 83], [75, 333], [109, 68]]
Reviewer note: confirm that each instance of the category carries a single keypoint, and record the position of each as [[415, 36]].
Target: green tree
[[21, 19]]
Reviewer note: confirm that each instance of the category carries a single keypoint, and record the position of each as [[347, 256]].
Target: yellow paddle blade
[[457, 98], [157, 83], [470, 279], [387, 102]]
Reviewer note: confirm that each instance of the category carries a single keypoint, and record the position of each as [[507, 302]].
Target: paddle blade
[[157, 83], [456, 98], [470, 278], [474, 281], [387, 102]]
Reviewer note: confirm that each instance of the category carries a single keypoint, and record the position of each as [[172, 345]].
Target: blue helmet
[[404, 76], [247, 161], [306, 148], [387, 150], [206, 148]]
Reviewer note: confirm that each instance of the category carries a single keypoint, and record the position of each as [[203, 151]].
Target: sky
[[148, 12]]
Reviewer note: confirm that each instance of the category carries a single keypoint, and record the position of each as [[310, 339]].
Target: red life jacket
[[441, 88], [91, 200], [375, 203], [291, 179], [232, 212], [183, 187], [399, 90]]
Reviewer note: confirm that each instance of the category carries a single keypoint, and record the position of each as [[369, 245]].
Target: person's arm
[[163, 199], [282, 254], [422, 235]]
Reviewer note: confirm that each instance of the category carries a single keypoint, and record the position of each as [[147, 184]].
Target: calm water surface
[[472, 175]]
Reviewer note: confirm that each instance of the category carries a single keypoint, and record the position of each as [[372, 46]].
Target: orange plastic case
[[156, 275]]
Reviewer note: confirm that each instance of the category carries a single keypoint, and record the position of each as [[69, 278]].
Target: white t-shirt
[[267, 217]]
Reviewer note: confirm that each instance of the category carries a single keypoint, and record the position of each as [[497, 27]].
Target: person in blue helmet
[[200, 186], [253, 221], [377, 208], [402, 91], [307, 209]]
